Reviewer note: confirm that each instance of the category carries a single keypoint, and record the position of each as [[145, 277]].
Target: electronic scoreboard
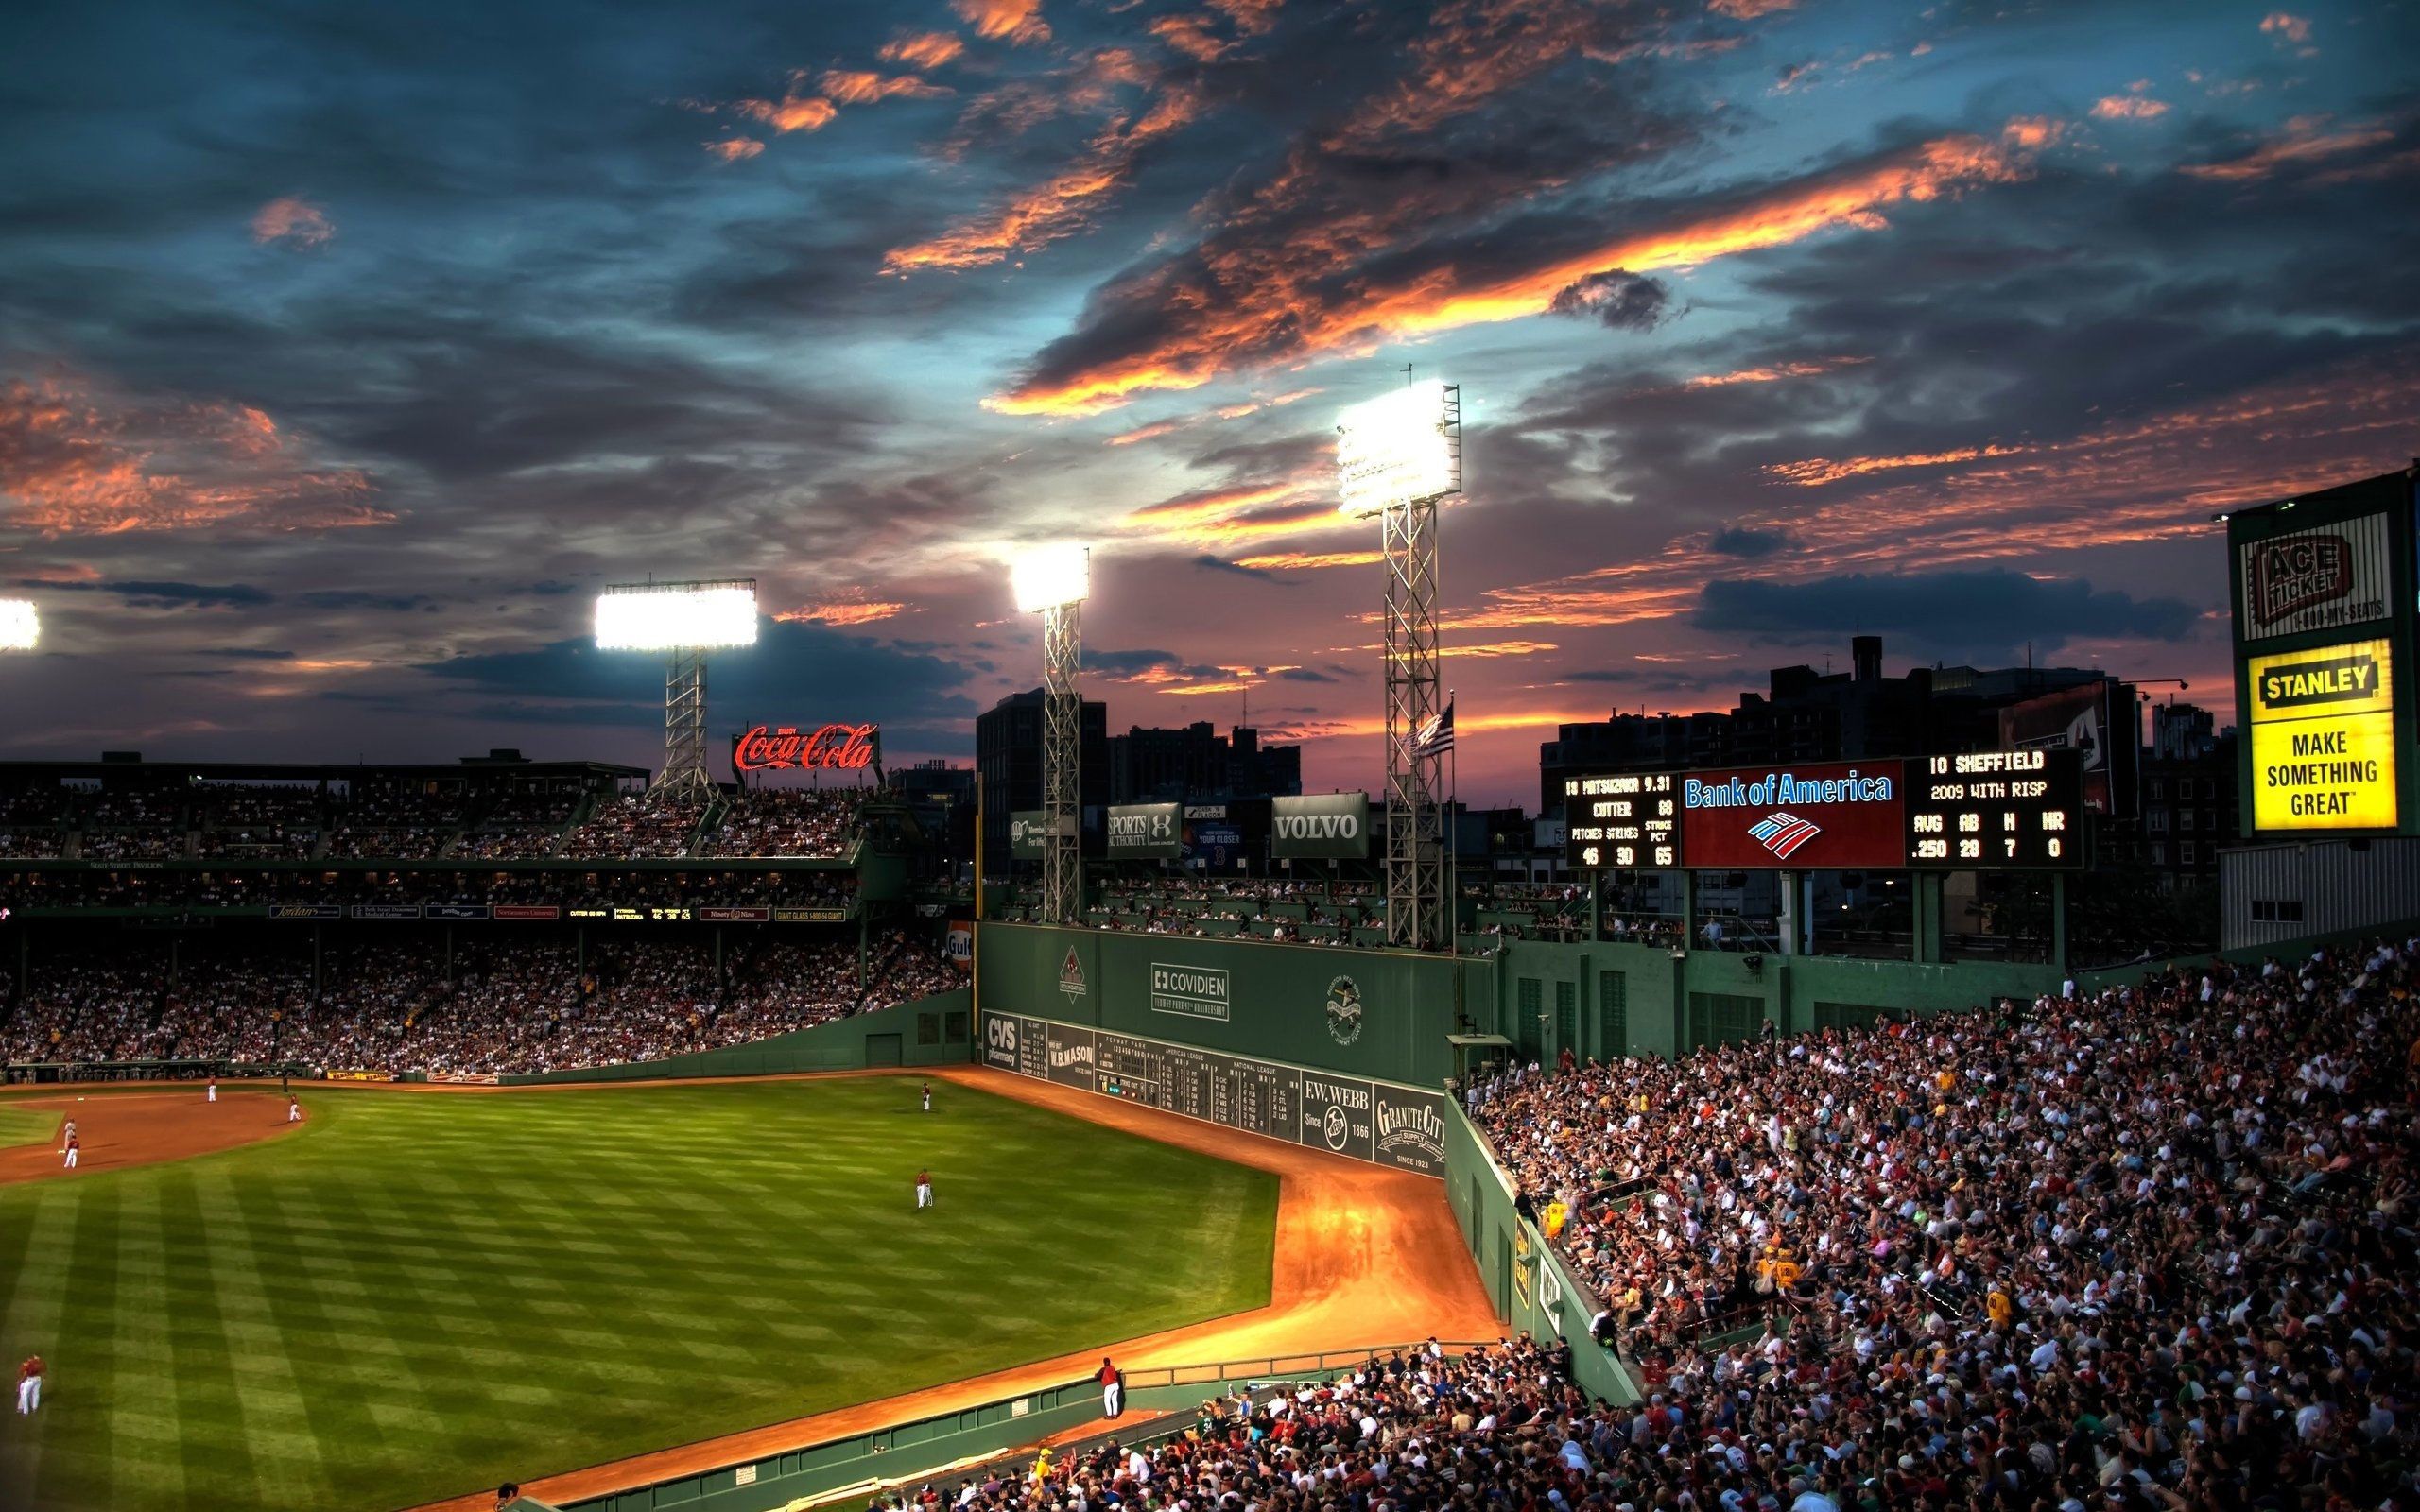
[[1625, 820], [1979, 811], [1996, 811]]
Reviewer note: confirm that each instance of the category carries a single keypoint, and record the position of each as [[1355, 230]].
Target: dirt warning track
[[1364, 1256], [122, 1130]]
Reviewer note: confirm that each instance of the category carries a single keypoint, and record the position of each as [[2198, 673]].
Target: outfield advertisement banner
[[1028, 828], [386, 910], [1320, 827], [1378, 1122], [306, 911], [1194, 991], [457, 910], [734, 916], [1804, 817], [529, 913], [1145, 831], [810, 915]]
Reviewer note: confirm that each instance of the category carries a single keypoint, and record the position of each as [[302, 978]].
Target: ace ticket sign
[[2322, 739]]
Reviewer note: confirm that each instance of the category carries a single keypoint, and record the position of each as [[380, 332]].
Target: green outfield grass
[[420, 1296], [26, 1125]]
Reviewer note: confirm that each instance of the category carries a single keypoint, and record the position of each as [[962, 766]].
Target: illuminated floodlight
[[19, 624], [676, 616], [1047, 576], [1398, 449]]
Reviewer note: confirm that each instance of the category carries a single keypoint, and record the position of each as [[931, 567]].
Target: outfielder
[[928, 1097], [293, 1108], [29, 1384], [924, 1189], [66, 1134], [214, 1089], [75, 1147]]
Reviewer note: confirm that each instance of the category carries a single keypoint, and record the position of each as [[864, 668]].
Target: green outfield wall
[[928, 1032], [1382, 1015]]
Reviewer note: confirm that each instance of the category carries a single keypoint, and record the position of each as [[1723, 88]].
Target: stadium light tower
[[1053, 582], [685, 620], [1396, 456], [19, 624]]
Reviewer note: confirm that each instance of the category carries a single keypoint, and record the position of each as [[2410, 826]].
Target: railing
[[1027, 1417]]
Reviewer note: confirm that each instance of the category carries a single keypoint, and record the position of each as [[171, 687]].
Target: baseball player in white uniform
[[924, 1189], [214, 1089]]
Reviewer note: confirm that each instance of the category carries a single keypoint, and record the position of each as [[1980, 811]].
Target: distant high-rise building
[[1196, 762], [1008, 755]]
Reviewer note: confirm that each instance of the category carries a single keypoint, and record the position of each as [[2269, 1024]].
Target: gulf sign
[[1820, 816]]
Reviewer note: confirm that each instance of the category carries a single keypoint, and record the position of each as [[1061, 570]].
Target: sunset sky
[[345, 351]]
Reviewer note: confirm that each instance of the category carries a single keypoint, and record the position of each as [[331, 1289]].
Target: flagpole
[[1454, 849]]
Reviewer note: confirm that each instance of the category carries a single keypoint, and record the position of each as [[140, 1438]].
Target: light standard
[[1054, 581], [686, 619]]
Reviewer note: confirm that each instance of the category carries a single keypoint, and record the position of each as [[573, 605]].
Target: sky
[[347, 350]]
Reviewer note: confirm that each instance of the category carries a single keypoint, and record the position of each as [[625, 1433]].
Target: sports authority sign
[[1189, 991], [1801, 818], [1145, 831], [1375, 1120], [1320, 827], [806, 748], [2319, 579]]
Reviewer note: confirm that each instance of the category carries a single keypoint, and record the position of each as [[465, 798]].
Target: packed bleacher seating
[[784, 821], [133, 826], [636, 827], [395, 823], [2151, 1248], [257, 820], [521, 823], [240, 888], [512, 1005]]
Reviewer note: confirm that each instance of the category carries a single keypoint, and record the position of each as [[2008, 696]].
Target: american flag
[[1435, 737]]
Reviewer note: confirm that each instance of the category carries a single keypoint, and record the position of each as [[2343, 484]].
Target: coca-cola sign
[[800, 748]]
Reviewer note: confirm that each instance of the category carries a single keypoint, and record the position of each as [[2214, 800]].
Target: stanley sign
[[2322, 739]]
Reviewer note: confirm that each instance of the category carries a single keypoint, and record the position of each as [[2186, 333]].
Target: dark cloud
[[1990, 610], [1218, 564], [1125, 663], [1747, 544], [1622, 301], [342, 598], [1306, 675], [793, 671], [214, 595]]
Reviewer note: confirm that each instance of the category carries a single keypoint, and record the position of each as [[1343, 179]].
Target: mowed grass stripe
[[458, 1290]]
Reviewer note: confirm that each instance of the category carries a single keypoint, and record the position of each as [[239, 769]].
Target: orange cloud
[[1305, 561], [1190, 36], [1818, 471], [1018, 22], [2129, 107], [1187, 508], [75, 459], [790, 112], [858, 86], [921, 49], [1774, 374], [295, 222], [735, 149], [2304, 139], [1749, 9], [2291, 27], [1059, 207], [848, 609], [1273, 303], [1145, 433]]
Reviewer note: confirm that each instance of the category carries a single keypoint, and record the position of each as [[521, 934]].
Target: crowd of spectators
[[2149, 1247], [241, 888], [785, 821], [395, 823], [636, 827], [511, 1004], [520, 824]]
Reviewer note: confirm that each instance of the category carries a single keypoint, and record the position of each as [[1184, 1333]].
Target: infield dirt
[[120, 1129]]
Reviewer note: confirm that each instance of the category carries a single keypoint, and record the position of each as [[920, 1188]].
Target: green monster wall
[[1376, 1014]]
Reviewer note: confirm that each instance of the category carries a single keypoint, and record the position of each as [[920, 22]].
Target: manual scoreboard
[[1996, 811]]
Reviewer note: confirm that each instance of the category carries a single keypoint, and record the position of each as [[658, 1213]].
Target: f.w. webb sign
[[1320, 827]]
